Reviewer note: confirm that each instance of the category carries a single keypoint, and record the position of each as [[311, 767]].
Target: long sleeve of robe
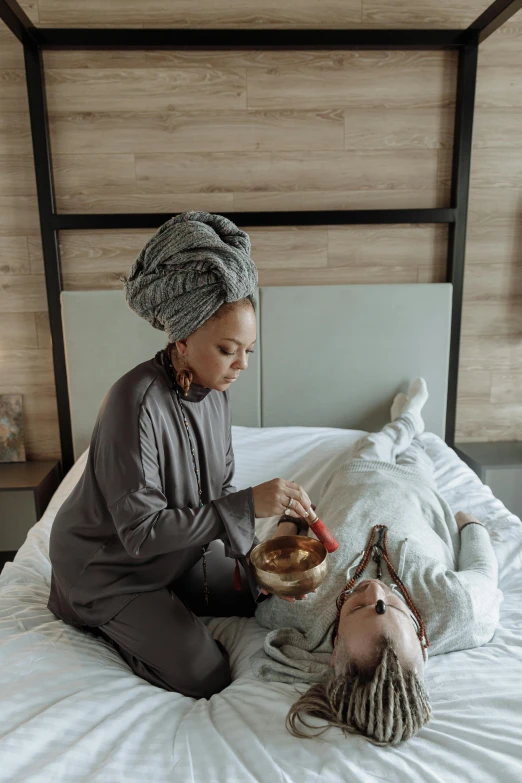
[[133, 522]]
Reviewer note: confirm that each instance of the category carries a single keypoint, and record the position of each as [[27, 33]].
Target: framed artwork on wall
[[12, 446]]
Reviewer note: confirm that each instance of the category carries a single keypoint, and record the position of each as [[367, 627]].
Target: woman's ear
[[181, 347]]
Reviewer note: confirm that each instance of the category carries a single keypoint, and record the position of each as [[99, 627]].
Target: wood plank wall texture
[[167, 131]]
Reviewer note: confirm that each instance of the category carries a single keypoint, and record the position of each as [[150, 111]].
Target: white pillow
[[307, 455]]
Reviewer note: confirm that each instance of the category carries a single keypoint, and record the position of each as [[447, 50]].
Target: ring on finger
[[290, 504]]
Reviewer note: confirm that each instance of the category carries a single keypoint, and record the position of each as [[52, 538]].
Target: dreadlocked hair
[[386, 703]]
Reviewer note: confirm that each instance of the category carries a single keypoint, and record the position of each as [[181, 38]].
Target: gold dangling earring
[[184, 377]]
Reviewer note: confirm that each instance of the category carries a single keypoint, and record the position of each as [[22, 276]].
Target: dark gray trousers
[[162, 639]]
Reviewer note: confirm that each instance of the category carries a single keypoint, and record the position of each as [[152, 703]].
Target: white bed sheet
[[71, 710]]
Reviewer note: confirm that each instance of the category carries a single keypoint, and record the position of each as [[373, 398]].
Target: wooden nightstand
[[25, 491]]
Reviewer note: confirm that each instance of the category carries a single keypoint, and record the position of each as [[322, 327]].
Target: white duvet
[[71, 710]]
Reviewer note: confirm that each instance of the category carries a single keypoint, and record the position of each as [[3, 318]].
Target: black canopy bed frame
[[464, 41]]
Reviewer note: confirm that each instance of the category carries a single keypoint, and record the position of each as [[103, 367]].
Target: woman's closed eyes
[[228, 353]]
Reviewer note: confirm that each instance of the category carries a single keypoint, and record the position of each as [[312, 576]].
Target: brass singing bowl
[[290, 565]]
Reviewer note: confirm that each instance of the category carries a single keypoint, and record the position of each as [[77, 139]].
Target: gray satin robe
[[132, 523]]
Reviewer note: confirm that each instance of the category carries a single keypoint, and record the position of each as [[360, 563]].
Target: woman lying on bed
[[406, 577]]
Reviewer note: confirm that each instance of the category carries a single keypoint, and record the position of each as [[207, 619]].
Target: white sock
[[417, 396], [399, 403]]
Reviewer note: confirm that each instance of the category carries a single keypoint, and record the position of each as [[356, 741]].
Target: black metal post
[[299, 218], [45, 191], [18, 22], [462, 144], [238, 39], [493, 17]]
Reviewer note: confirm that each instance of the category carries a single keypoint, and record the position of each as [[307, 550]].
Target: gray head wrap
[[193, 264]]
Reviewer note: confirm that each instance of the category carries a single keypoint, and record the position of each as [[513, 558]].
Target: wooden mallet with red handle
[[321, 531]]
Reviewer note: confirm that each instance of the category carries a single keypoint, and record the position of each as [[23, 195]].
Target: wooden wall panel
[[17, 331], [422, 13], [327, 130], [251, 181], [490, 378], [14, 255], [32, 10], [205, 13], [22, 293], [206, 131], [284, 256], [394, 79], [13, 96], [154, 89], [238, 13], [25, 351], [170, 131], [494, 422], [507, 389]]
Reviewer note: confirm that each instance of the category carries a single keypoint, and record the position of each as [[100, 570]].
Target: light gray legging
[[396, 443]]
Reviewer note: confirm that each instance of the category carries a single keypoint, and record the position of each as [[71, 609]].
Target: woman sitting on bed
[[146, 541], [407, 577]]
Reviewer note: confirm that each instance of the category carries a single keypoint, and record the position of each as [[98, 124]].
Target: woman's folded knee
[[204, 684]]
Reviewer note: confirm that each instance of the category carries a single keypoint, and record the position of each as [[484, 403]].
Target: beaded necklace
[[380, 549], [196, 470]]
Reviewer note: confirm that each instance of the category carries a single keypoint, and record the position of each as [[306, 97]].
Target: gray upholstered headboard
[[330, 356]]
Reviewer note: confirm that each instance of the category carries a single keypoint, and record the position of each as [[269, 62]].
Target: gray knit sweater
[[451, 576]]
